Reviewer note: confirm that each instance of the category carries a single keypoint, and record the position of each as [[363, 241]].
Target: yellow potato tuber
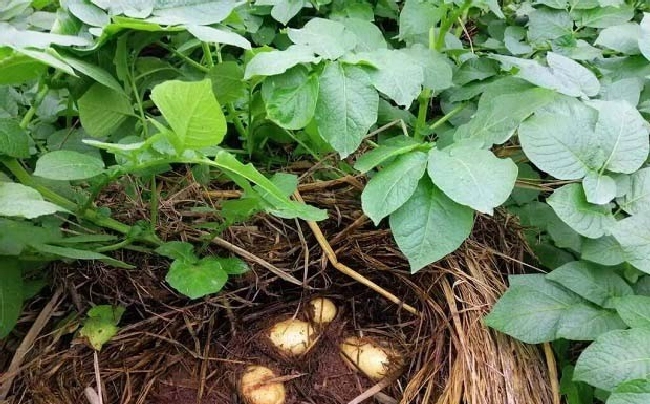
[[369, 357], [256, 386], [322, 311], [292, 337]]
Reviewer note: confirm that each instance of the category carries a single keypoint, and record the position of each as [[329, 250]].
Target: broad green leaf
[[284, 10], [68, 166], [290, 98], [50, 57], [599, 189], [14, 140], [615, 357], [327, 38], [471, 177], [430, 225], [585, 322], [227, 82], [546, 25], [512, 39], [644, 36], [278, 62], [637, 199], [101, 325], [631, 392], [17, 235], [369, 36], [563, 75], [205, 12], [634, 310], [20, 39], [593, 282], [570, 204], [88, 13], [559, 139], [18, 68], [604, 251], [522, 194], [102, 110], [393, 185], [394, 74], [192, 111], [233, 266], [94, 72], [603, 17], [135, 9], [416, 18], [632, 234], [394, 147], [436, 67], [283, 206], [178, 250], [531, 310], [11, 295], [198, 279], [628, 89], [496, 121], [622, 135], [346, 107], [17, 200], [221, 36], [622, 38]]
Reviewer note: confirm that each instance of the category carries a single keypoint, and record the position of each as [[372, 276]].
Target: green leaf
[[278, 62], [221, 36], [585, 322], [89, 13], [325, 38], [17, 200], [233, 266], [604, 251], [563, 75], [346, 108], [394, 147], [68, 165], [14, 141], [594, 283], [417, 17], [290, 98], [178, 250], [558, 139], [103, 110], [599, 189], [198, 279], [603, 17], [11, 295], [622, 135], [227, 82], [77, 254], [634, 310], [570, 204], [284, 207], [393, 186], [18, 68], [204, 12], [430, 225], [101, 325], [192, 111], [471, 177], [614, 358], [644, 36], [284, 10], [497, 120], [96, 73], [368, 36], [631, 392], [436, 67], [546, 25], [521, 195], [632, 235], [20, 39], [637, 199], [394, 74], [622, 38], [532, 309]]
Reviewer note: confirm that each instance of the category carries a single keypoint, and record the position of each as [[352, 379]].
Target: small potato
[[292, 337], [322, 311], [256, 387], [370, 358]]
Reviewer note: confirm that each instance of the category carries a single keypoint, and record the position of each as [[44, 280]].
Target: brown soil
[[172, 350]]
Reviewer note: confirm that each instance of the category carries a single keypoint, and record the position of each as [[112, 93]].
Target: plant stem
[[187, 59], [230, 108], [447, 117], [153, 203], [40, 96]]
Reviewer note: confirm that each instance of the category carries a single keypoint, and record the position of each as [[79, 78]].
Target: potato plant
[[453, 108]]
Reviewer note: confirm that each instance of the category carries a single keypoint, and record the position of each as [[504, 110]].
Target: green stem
[[115, 246], [230, 108], [421, 123], [207, 54], [40, 96], [153, 203], [447, 117], [187, 59]]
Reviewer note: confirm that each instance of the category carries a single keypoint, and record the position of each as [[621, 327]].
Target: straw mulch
[[169, 348]]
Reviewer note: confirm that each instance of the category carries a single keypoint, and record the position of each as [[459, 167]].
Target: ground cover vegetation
[[451, 108]]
